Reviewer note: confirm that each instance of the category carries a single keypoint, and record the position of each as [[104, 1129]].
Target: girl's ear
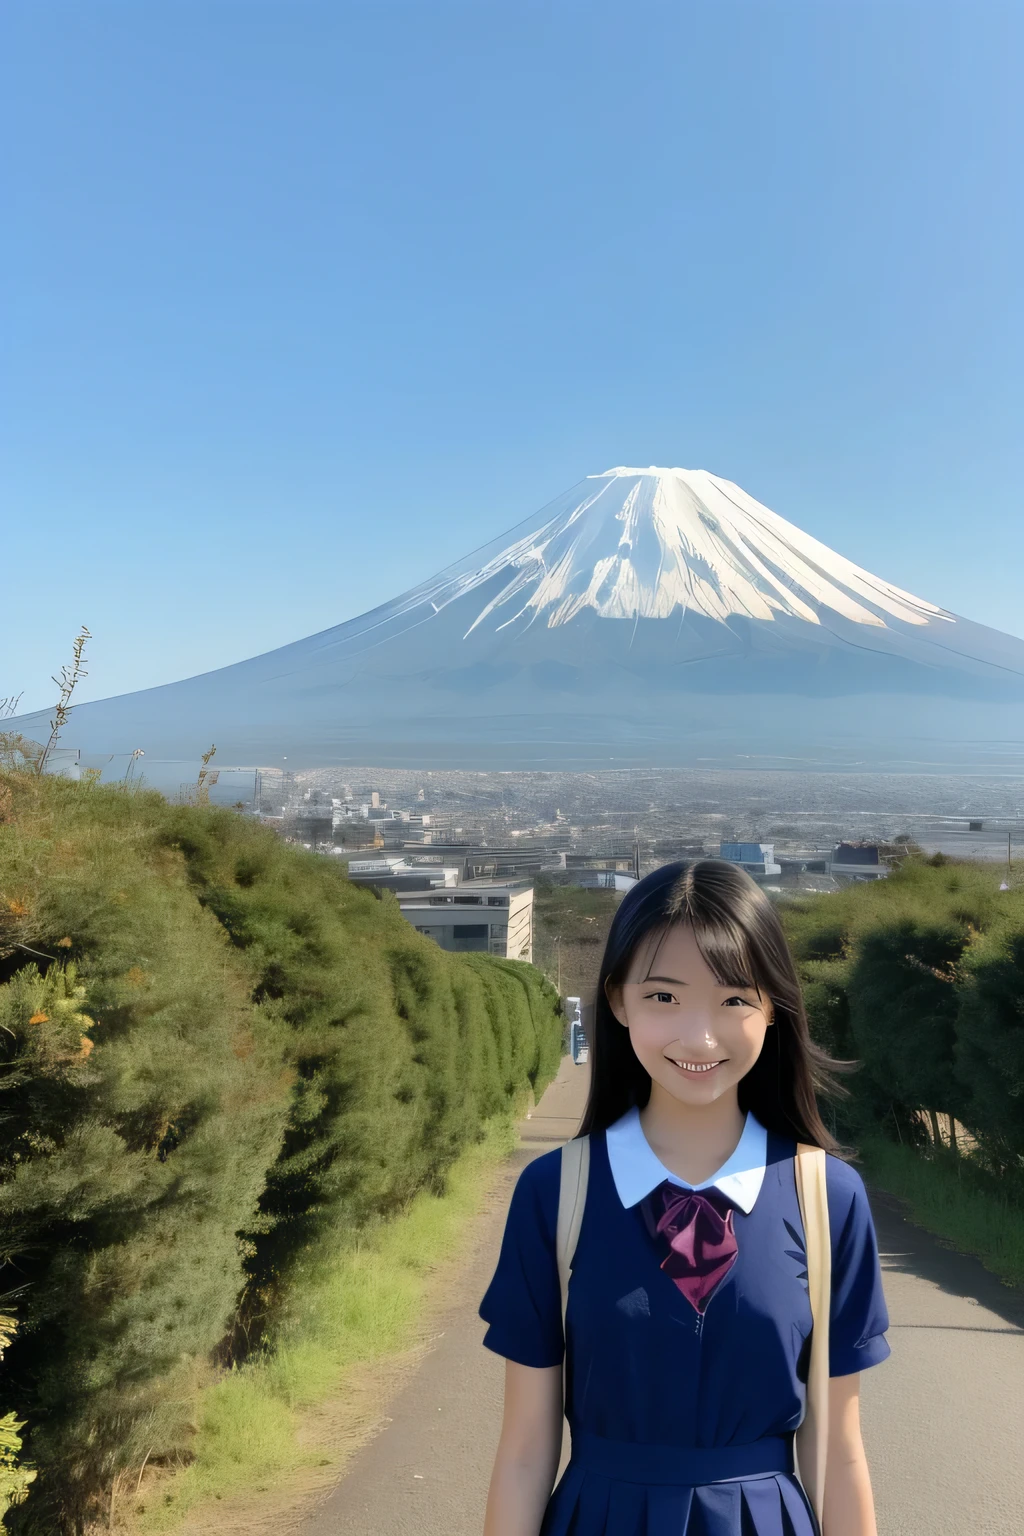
[[614, 996]]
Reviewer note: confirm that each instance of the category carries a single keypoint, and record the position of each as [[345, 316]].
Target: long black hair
[[740, 937]]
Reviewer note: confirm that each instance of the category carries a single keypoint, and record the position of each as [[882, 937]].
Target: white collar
[[637, 1171]]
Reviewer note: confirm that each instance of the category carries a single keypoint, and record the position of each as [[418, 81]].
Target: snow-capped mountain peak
[[650, 543], [745, 641]]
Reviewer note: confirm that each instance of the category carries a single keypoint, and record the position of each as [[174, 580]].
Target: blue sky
[[304, 300]]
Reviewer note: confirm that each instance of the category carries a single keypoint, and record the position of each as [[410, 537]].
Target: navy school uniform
[[682, 1421]]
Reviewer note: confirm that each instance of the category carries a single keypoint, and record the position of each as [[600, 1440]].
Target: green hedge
[[920, 978], [15, 1478], [213, 1049]]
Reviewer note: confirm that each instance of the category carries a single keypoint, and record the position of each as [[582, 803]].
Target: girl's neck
[[693, 1141]]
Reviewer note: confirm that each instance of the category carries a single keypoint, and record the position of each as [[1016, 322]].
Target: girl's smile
[[696, 1067]]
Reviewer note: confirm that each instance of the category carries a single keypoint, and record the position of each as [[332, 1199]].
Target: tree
[[903, 1011], [990, 1048]]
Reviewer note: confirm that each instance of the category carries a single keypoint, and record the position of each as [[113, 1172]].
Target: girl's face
[[694, 1037]]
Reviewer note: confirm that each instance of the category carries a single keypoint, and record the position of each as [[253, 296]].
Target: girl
[[688, 1323]]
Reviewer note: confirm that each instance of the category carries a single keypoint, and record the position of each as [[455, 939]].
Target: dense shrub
[[15, 1477], [400, 1051], [519, 996], [903, 1006], [143, 1100], [921, 978], [213, 1049], [990, 1042]]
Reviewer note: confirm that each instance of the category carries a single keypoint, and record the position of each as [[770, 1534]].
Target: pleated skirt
[[613, 1489]]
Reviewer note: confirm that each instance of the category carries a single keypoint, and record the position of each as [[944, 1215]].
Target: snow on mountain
[[646, 616], [647, 543]]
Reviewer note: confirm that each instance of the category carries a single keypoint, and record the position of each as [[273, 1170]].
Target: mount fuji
[[655, 617]]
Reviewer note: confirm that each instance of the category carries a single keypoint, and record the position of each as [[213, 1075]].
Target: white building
[[756, 858], [484, 916]]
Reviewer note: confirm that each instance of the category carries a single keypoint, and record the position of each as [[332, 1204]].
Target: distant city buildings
[[395, 873], [995, 839], [757, 859], [857, 861], [621, 860], [517, 862], [604, 880], [484, 916], [460, 850], [493, 917]]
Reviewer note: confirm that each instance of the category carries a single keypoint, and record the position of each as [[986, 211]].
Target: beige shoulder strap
[[812, 1436], [572, 1197]]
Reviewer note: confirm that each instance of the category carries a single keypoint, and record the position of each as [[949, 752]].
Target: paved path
[[942, 1418]]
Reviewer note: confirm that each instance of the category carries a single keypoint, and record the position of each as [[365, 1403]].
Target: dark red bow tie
[[696, 1226]]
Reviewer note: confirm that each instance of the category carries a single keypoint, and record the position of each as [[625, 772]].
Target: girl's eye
[[742, 1002], [660, 997]]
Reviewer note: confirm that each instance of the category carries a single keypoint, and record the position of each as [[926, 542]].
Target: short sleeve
[[859, 1317], [523, 1303]]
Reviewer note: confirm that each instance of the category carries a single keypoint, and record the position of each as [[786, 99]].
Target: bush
[[921, 978], [903, 1007], [15, 1478], [143, 1102], [400, 1051], [990, 1046], [214, 1051]]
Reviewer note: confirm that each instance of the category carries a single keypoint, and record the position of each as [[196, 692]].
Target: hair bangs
[[724, 943], [726, 953]]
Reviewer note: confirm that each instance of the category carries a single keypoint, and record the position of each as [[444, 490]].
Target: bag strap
[[572, 1197], [812, 1436]]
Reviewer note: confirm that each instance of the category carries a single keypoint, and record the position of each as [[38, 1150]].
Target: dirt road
[[941, 1418]]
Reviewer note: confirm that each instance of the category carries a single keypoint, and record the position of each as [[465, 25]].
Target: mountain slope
[[655, 616]]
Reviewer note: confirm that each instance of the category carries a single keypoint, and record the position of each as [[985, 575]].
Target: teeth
[[696, 1066]]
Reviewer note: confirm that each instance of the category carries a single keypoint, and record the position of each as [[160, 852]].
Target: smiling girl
[[688, 1327]]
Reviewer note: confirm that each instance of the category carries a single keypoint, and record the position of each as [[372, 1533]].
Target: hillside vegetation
[[215, 1052], [920, 978]]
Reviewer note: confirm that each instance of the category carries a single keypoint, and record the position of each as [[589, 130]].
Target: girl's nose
[[696, 1032]]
